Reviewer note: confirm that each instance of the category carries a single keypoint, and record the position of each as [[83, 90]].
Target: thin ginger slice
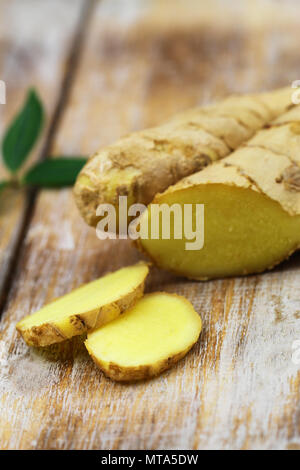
[[149, 338], [86, 307]]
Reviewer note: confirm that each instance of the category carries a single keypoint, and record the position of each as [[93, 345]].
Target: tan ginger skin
[[42, 328], [266, 170], [147, 162]]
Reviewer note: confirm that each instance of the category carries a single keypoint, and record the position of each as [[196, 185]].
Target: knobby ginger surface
[[252, 208], [147, 162]]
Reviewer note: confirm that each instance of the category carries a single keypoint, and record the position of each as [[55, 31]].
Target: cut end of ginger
[[86, 307], [149, 338], [245, 232]]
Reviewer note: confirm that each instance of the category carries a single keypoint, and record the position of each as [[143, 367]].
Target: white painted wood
[[238, 388]]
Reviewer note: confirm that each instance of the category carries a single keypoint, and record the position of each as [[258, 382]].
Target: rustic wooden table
[[104, 68]]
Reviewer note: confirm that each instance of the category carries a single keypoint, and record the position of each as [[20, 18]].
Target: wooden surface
[[35, 47], [102, 71]]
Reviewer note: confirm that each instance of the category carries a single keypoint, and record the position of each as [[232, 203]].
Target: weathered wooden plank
[[238, 388], [35, 41]]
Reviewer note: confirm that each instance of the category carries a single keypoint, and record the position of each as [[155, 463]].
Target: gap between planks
[[73, 58]]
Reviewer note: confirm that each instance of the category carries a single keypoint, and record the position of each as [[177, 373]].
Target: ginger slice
[[86, 307], [149, 338]]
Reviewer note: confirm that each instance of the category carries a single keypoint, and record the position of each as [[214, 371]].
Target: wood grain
[[35, 41], [238, 388]]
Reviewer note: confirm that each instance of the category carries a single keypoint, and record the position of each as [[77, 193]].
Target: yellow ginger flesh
[[154, 334], [244, 232], [251, 203], [86, 307]]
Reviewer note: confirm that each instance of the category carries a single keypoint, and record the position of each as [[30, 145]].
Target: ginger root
[[152, 334], [145, 163], [87, 307], [251, 208], [149, 338]]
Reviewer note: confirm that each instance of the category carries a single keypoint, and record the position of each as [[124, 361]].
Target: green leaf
[[3, 184], [55, 173], [22, 134]]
